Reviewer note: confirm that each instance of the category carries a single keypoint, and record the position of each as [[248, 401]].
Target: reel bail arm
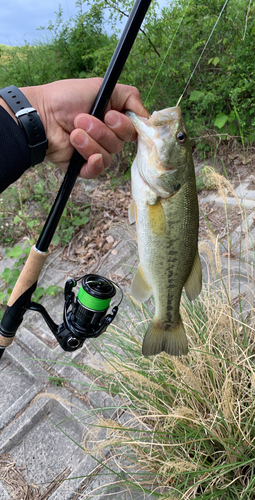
[[81, 322]]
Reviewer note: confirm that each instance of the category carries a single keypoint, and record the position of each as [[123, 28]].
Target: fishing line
[[246, 20], [201, 55], [167, 52]]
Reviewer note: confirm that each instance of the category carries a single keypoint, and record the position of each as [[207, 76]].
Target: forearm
[[15, 157]]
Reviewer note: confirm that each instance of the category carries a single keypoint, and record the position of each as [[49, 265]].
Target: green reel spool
[[96, 292], [93, 300]]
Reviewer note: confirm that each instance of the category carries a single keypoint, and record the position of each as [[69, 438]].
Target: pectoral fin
[[140, 289], [132, 212], [193, 284]]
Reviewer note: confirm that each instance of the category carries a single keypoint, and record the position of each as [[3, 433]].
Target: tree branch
[[126, 15]]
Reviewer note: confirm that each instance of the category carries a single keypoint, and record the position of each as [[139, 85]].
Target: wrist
[[28, 120], [35, 96]]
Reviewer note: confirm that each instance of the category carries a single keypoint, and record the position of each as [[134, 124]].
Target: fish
[[165, 209]]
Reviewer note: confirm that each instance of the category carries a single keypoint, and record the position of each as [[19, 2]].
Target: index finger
[[125, 97]]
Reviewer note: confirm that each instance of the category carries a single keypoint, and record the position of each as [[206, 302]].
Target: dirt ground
[[237, 166], [110, 196], [110, 205]]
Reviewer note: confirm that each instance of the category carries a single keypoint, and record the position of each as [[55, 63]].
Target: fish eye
[[181, 136]]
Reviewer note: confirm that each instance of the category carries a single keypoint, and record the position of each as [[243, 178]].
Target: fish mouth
[[165, 115], [159, 127], [161, 118], [157, 137]]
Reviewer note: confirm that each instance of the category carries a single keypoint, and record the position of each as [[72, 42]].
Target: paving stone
[[35, 322], [21, 380], [4, 494], [36, 418], [46, 438], [84, 385], [246, 202], [35, 347], [109, 484], [56, 271], [241, 190], [68, 489]]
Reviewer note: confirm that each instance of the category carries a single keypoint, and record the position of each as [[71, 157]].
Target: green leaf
[[27, 250], [12, 281], [196, 95], [232, 129], [16, 220], [221, 119], [55, 239], [6, 274], [2, 295], [31, 223], [38, 293], [52, 290], [16, 252], [15, 273], [81, 221], [85, 220], [215, 61], [231, 116]]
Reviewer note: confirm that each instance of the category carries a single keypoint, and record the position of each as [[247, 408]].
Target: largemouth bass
[[165, 209]]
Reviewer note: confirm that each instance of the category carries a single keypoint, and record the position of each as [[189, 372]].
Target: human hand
[[64, 108]]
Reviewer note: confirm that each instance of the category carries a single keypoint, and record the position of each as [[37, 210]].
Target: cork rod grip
[[29, 274], [5, 341]]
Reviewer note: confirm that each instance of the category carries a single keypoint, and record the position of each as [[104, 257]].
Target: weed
[[57, 381], [205, 179], [189, 429], [25, 207]]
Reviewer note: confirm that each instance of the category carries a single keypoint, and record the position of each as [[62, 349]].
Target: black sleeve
[[14, 152]]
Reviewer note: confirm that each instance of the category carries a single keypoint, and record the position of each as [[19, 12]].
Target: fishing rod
[[84, 316]]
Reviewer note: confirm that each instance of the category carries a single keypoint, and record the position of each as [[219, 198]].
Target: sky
[[20, 19]]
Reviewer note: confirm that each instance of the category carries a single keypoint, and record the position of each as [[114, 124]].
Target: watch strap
[[29, 121]]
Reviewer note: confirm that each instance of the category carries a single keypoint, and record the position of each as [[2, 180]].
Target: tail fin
[[160, 338]]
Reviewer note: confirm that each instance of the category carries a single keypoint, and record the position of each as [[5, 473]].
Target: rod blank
[[110, 79]]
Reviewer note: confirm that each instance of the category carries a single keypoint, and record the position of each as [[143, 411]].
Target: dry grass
[[191, 419], [18, 487], [188, 430]]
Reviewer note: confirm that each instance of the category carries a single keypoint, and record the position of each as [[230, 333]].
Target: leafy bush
[[162, 59]]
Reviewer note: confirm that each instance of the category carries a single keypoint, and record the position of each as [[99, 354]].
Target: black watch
[[29, 121]]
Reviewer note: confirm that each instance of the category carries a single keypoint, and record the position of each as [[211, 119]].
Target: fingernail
[[80, 139], [112, 119], [98, 161]]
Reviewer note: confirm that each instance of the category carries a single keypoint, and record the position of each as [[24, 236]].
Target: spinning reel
[[85, 316]]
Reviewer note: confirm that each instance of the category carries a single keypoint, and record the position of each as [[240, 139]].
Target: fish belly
[[167, 244], [167, 232]]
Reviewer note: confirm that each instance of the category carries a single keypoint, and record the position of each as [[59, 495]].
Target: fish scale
[[165, 209]]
